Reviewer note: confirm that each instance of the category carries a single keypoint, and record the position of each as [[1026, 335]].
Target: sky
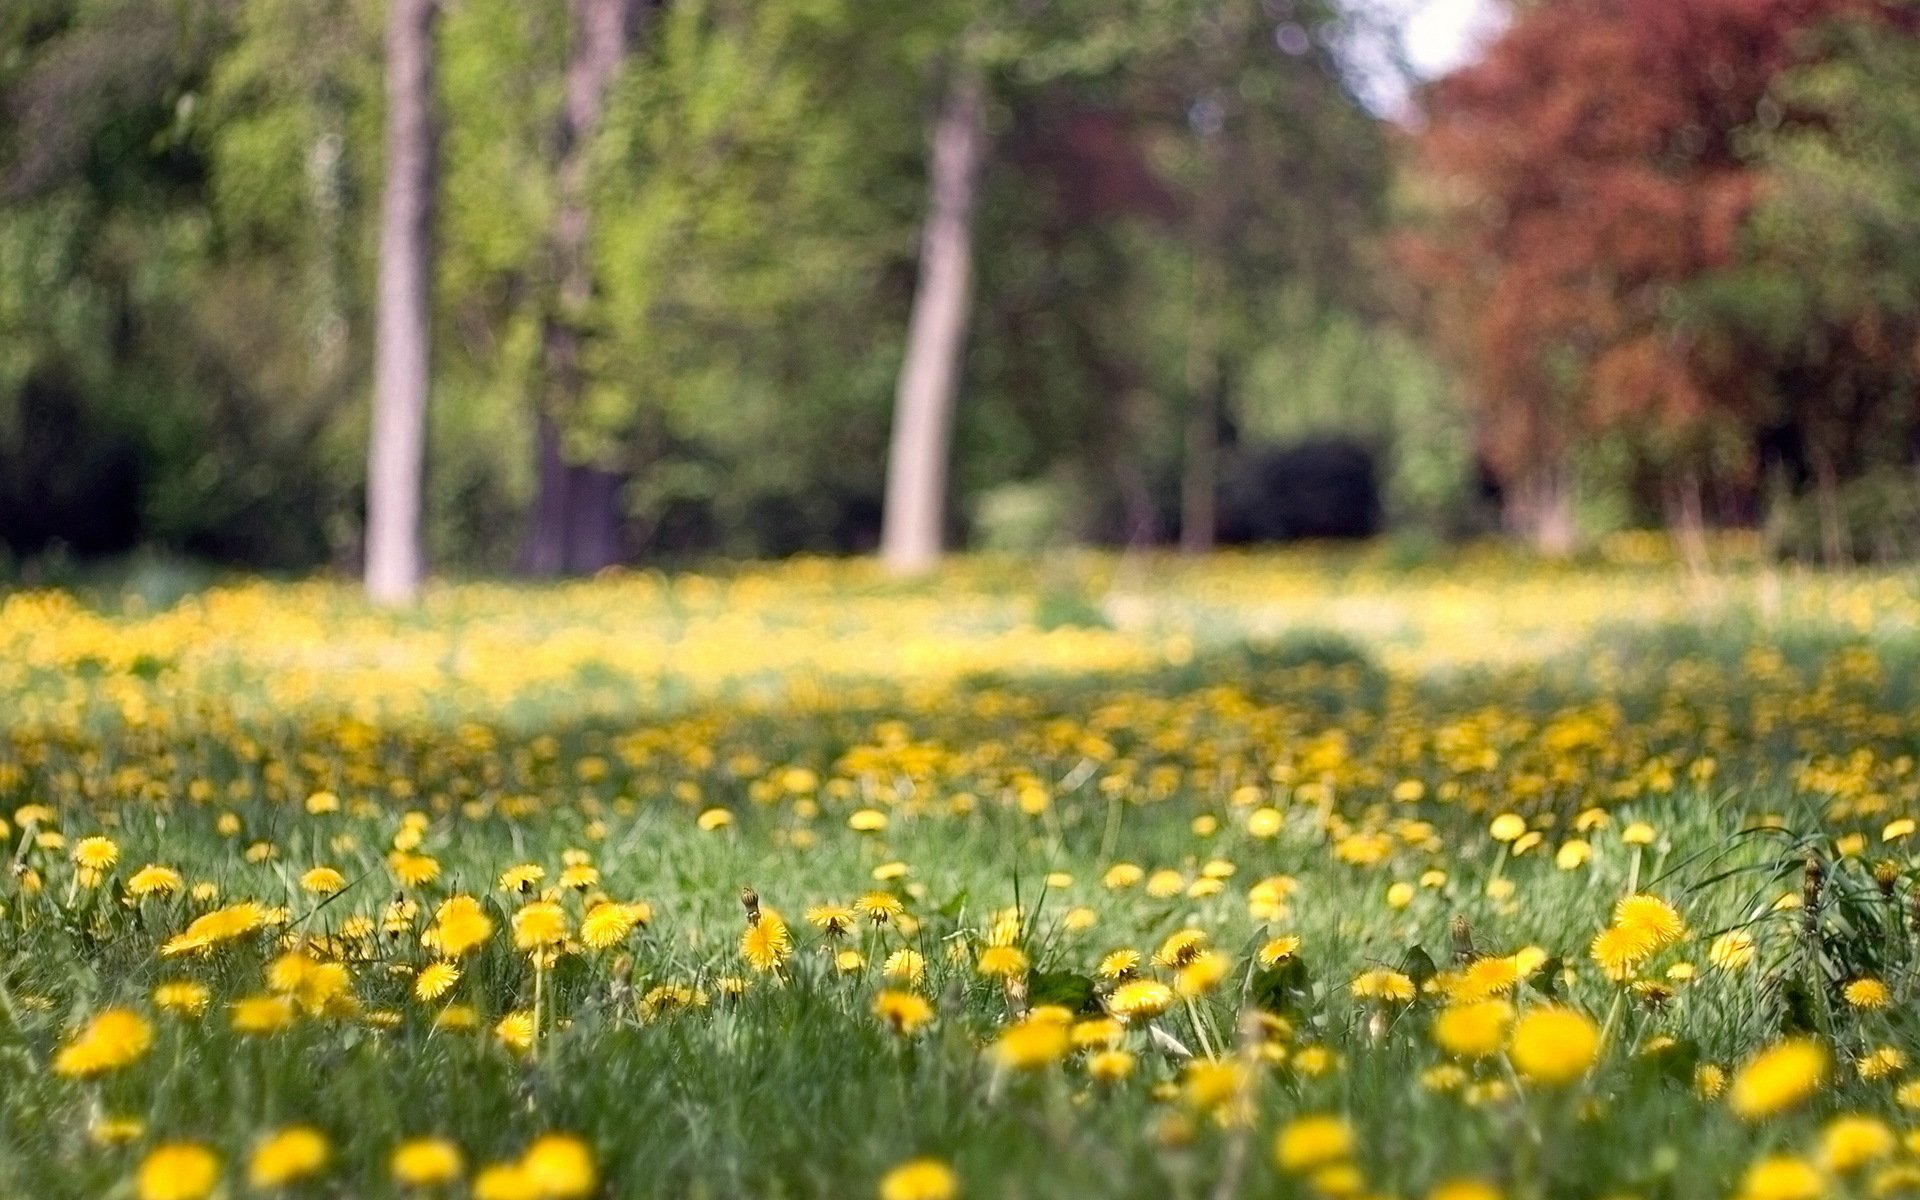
[[1434, 37]]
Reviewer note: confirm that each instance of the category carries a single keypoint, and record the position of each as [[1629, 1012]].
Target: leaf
[[1068, 989]]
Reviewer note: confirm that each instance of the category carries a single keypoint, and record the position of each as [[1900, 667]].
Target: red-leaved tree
[[1579, 175]]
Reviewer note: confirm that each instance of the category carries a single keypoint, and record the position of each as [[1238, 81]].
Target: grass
[[1310, 745]]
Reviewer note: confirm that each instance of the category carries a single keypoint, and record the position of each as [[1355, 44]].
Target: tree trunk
[[396, 455], [1540, 508], [914, 515], [575, 525]]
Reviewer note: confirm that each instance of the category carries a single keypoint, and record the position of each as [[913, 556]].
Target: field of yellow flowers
[[1309, 874]]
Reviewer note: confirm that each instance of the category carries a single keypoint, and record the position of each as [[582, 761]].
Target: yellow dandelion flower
[[1782, 1177], [608, 924], [154, 880], [905, 1013], [177, 1171], [905, 966], [1310, 1142], [1140, 1000], [1002, 962], [560, 1167], [220, 925], [426, 1162], [515, 1031], [539, 925], [1778, 1078], [287, 1157], [435, 980], [1553, 1045], [1119, 964], [765, 943], [1851, 1142], [460, 926], [182, 996], [920, 1179], [1030, 1044], [1476, 1030], [1869, 994], [115, 1038]]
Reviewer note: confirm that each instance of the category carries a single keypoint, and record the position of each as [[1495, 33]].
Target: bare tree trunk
[[1541, 509], [575, 521], [914, 516], [397, 453]]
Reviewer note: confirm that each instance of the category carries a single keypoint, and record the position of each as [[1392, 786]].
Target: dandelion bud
[[750, 900], [1463, 951]]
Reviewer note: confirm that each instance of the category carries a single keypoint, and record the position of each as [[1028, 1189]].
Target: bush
[[1323, 487]]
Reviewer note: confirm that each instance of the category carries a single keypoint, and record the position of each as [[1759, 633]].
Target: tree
[[396, 458], [1579, 176], [915, 505], [575, 522]]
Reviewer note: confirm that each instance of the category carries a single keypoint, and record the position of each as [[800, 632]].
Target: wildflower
[[608, 924], [1202, 974], [95, 855], [1573, 854], [220, 925], [1778, 1078], [1464, 1189], [920, 1179], [182, 996], [765, 943], [1869, 994], [1731, 951], [435, 979], [1142, 999], [1121, 876], [1483, 979], [116, 1131], [905, 966], [522, 879], [1473, 1030], [287, 1156], [1851, 1142], [879, 907], [1782, 1177], [459, 926], [1507, 827], [414, 870], [1277, 950], [426, 1162], [1709, 1080], [113, 1039], [1119, 964], [1002, 962], [261, 1015], [1110, 1066], [515, 1031], [177, 1171], [1181, 947], [1383, 985], [1620, 950], [154, 880], [1882, 1062], [1313, 1141], [539, 925], [1652, 917], [1553, 1045], [560, 1167], [834, 920], [849, 961], [905, 1013], [323, 881], [1029, 1044]]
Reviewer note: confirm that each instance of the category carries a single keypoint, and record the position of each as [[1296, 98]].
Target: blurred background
[[619, 281]]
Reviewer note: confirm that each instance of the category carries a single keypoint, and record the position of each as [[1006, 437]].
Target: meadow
[[1304, 874]]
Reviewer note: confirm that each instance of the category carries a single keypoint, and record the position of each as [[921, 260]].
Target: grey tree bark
[[396, 453], [914, 515], [575, 523]]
